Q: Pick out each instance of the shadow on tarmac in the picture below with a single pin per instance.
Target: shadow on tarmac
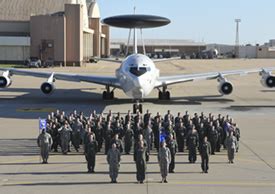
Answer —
(18, 147)
(266, 91)
(248, 108)
(33, 103)
(84, 172)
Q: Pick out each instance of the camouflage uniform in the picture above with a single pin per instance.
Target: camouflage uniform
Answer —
(65, 137)
(140, 159)
(91, 150)
(231, 142)
(205, 151)
(44, 141)
(113, 159)
(164, 158)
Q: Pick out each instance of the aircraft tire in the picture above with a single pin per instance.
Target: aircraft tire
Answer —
(112, 95)
(104, 95)
(160, 96)
(134, 108)
(167, 95)
(140, 108)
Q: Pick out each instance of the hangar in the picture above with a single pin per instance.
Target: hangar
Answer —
(160, 46)
(68, 32)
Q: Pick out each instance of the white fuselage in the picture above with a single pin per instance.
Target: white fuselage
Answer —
(137, 76)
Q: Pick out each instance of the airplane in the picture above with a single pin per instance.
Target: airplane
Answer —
(137, 75)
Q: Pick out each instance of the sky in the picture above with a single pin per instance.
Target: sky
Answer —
(210, 21)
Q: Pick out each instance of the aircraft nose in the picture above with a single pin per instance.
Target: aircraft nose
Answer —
(138, 93)
(138, 90)
(138, 83)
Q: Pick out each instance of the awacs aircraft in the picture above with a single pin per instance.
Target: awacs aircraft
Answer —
(137, 76)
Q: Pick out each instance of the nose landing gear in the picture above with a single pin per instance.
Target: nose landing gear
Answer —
(108, 94)
(164, 94)
(137, 107)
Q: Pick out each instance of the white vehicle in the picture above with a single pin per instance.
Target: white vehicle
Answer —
(137, 77)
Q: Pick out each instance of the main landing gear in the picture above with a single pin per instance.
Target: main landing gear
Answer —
(137, 107)
(108, 94)
(164, 95)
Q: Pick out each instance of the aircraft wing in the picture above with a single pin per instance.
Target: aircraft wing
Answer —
(101, 80)
(109, 60)
(169, 80)
(165, 59)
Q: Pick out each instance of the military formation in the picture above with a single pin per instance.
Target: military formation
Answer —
(140, 134)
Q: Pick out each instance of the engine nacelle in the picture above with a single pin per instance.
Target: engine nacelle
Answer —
(47, 88)
(5, 81)
(225, 87)
(267, 80)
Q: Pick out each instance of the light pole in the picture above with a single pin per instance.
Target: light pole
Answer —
(237, 41)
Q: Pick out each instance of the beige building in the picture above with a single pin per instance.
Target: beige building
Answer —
(68, 32)
(161, 46)
(266, 52)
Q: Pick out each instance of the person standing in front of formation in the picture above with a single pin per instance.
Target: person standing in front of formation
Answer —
(91, 150)
(164, 158)
(140, 159)
(231, 142)
(205, 151)
(113, 159)
(44, 141)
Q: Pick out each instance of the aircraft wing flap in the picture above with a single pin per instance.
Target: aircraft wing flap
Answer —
(101, 80)
(169, 80)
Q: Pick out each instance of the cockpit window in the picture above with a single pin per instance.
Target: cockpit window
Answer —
(138, 71)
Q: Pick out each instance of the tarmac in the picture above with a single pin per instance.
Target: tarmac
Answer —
(251, 105)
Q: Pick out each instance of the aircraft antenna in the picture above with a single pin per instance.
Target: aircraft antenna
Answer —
(143, 45)
(128, 42)
(135, 36)
(135, 41)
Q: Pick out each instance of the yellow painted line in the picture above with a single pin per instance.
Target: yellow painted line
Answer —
(225, 183)
(46, 110)
(26, 160)
(243, 160)
(250, 161)
(17, 183)
(20, 160)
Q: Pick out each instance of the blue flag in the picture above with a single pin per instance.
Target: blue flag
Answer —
(162, 136)
(227, 127)
(42, 124)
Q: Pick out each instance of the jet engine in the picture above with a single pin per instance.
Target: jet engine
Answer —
(267, 80)
(225, 87)
(5, 80)
(47, 88)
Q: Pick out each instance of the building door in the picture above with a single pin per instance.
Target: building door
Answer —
(47, 50)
